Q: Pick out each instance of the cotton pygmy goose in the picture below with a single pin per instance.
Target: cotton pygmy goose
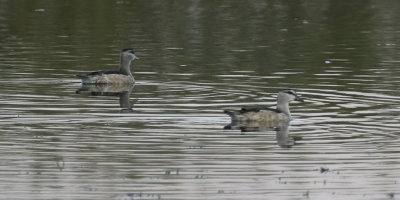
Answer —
(121, 76)
(281, 113)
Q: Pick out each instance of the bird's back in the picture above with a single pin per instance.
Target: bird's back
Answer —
(106, 77)
(257, 114)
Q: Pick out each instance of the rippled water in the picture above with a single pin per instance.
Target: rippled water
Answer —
(165, 138)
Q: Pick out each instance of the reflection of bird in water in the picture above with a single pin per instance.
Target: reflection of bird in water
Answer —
(121, 76)
(122, 91)
(265, 114)
(260, 119)
(283, 138)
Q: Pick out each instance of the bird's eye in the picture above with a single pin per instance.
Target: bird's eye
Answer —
(290, 92)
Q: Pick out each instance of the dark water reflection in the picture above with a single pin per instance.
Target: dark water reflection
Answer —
(121, 91)
(282, 131)
(197, 59)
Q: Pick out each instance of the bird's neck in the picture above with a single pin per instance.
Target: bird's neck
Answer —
(283, 106)
(125, 67)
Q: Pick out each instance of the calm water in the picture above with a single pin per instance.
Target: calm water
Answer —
(165, 137)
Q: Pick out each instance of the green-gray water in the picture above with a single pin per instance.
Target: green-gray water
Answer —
(198, 58)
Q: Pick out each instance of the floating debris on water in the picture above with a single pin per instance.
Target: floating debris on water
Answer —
(390, 195)
(199, 176)
(306, 194)
(170, 172)
(324, 169)
(132, 196)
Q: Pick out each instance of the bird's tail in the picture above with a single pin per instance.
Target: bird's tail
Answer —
(82, 76)
(231, 114)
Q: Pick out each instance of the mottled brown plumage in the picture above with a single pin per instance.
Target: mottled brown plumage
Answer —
(263, 114)
(119, 77)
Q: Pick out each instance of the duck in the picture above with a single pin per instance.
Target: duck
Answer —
(265, 114)
(119, 77)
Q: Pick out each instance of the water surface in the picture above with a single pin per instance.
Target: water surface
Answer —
(165, 138)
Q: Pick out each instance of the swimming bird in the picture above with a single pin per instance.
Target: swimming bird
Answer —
(265, 114)
(121, 76)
